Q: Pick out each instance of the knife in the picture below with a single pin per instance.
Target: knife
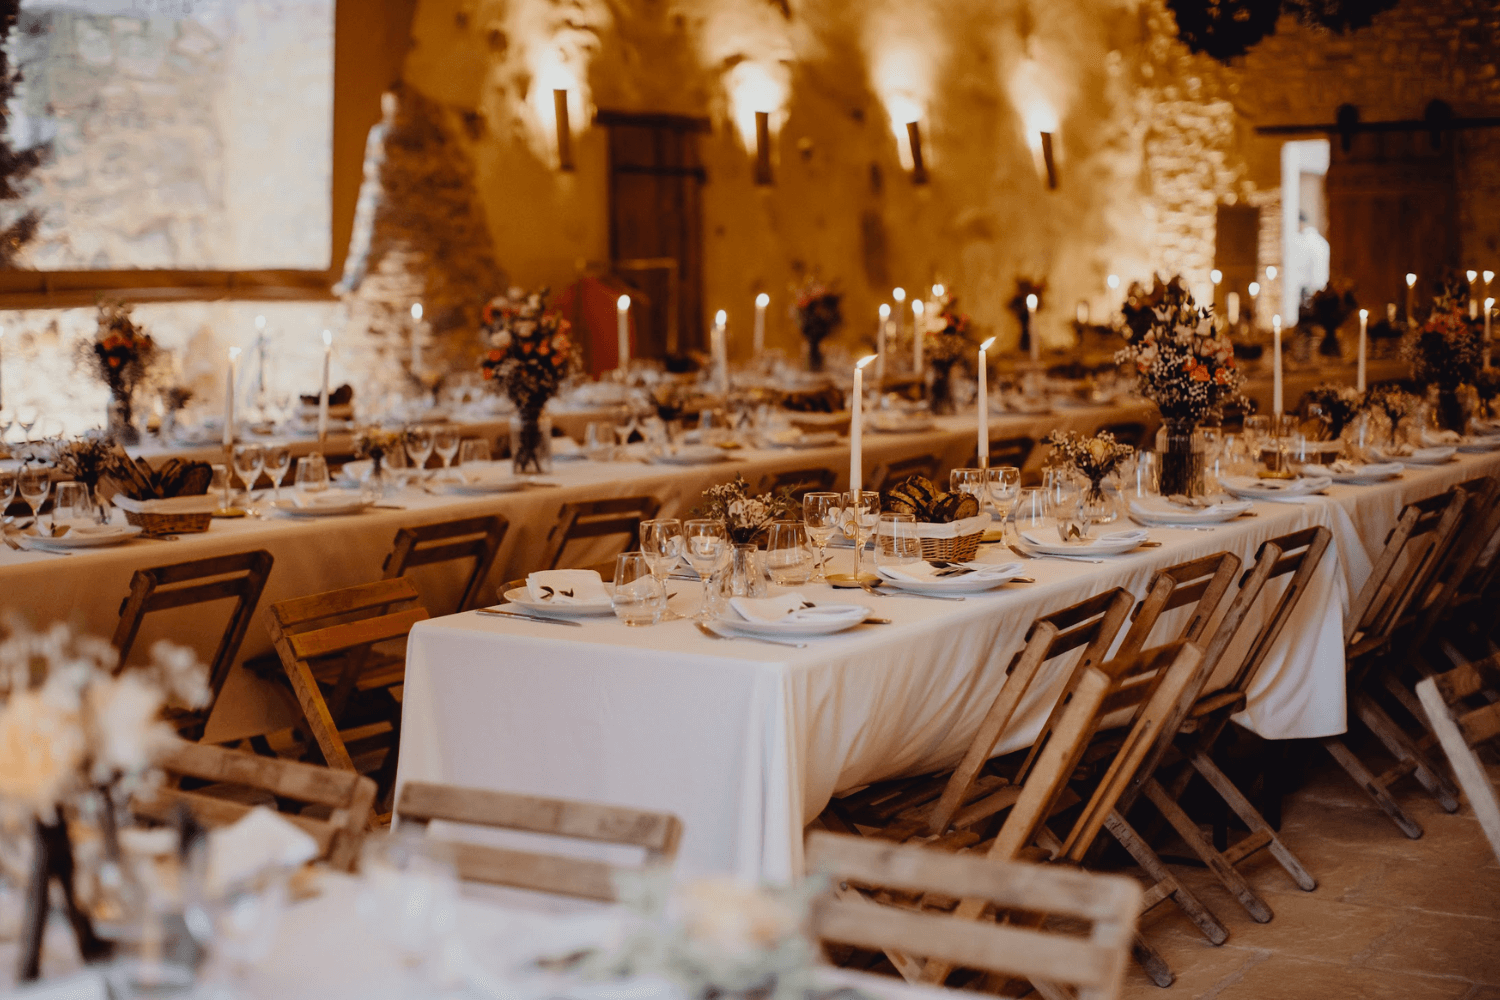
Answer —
(531, 618)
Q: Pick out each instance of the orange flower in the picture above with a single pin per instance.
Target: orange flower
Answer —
(1200, 374)
(1221, 376)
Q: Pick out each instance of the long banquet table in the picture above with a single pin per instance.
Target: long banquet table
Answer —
(313, 556)
(747, 742)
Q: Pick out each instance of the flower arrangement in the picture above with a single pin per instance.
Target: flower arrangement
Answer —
(1093, 458)
(86, 459)
(1393, 402)
(945, 334)
(1329, 307)
(1446, 350)
(747, 516)
(531, 350)
(817, 308)
(378, 444)
(121, 353)
(1334, 406)
(1181, 361)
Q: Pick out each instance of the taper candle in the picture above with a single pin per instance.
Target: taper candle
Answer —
(982, 401)
(918, 322)
(721, 350)
(416, 338)
(880, 337)
(234, 357)
(1031, 330)
(1232, 308)
(323, 392)
(759, 344)
(1411, 299)
(622, 331)
(1489, 309)
(857, 427)
(1364, 325)
(1276, 364)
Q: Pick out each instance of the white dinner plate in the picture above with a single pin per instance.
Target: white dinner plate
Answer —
(1364, 475)
(1254, 488)
(794, 629)
(965, 583)
(323, 506)
(1038, 543)
(816, 439)
(1475, 445)
(521, 598)
(90, 537)
(481, 485)
(1422, 456)
(694, 454)
(1163, 512)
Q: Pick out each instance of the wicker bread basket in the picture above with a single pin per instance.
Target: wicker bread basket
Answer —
(956, 541)
(173, 516)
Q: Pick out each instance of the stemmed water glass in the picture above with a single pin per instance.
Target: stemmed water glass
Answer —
(661, 541)
(861, 516)
(820, 514)
(419, 447)
(1003, 483)
(33, 483)
(1257, 435)
(278, 461)
(249, 463)
(26, 418)
(7, 490)
(706, 545)
(445, 442)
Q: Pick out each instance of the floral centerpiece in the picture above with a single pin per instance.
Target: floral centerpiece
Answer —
(817, 308)
(531, 354)
(945, 343)
(121, 356)
(1393, 403)
(747, 516)
(1095, 459)
(1185, 365)
(87, 460)
(1446, 352)
(379, 445)
(1332, 407)
(77, 740)
(1329, 307)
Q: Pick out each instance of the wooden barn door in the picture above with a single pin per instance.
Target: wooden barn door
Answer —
(1392, 209)
(656, 225)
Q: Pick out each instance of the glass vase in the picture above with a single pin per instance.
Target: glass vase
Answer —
(1181, 465)
(747, 572)
(1102, 502)
(121, 418)
(530, 444)
(940, 390)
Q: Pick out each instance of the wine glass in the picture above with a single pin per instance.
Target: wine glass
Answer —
(278, 461)
(1029, 512)
(820, 514)
(787, 557)
(599, 441)
(7, 490)
(33, 483)
(639, 597)
(1067, 509)
(970, 481)
(706, 542)
(445, 441)
(249, 463)
(26, 418)
(1003, 483)
(419, 447)
(896, 541)
(311, 475)
(1257, 434)
(862, 514)
(661, 541)
(70, 505)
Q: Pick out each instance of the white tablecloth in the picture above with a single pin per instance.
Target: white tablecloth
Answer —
(313, 556)
(747, 742)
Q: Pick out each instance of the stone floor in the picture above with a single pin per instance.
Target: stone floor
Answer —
(1390, 918)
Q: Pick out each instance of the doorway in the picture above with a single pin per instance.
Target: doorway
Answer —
(656, 225)
(1305, 253)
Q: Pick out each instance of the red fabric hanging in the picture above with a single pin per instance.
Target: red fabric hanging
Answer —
(589, 304)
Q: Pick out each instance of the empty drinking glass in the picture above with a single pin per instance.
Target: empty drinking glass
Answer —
(896, 541)
(1147, 475)
(249, 462)
(661, 541)
(418, 441)
(787, 556)
(1003, 483)
(706, 545)
(1257, 435)
(7, 489)
(34, 483)
(820, 516)
(1073, 523)
(639, 598)
(312, 474)
(599, 441)
(472, 451)
(445, 442)
(278, 461)
(970, 481)
(1030, 511)
(71, 506)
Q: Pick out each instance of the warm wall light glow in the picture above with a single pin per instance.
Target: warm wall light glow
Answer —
(1035, 94)
(416, 311)
(1113, 281)
(762, 300)
(754, 86)
(1271, 273)
(865, 360)
(557, 91)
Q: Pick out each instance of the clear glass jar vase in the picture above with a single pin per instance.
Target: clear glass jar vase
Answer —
(1102, 502)
(1180, 469)
(531, 444)
(746, 576)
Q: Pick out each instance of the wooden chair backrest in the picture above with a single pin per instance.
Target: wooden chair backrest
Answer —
(1459, 730)
(1093, 624)
(347, 621)
(1202, 583)
(1404, 567)
(241, 577)
(350, 796)
(1484, 543)
(1467, 543)
(658, 833)
(1094, 964)
(1131, 432)
(902, 469)
(598, 519)
(799, 481)
(476, 538)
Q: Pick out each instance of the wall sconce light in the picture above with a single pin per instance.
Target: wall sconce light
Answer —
(564, 131)
(1048, 161)
(762, 147)
(914, 138)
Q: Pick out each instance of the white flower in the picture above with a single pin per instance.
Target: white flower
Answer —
(41, 749)
(733, 917)
(124, 715)
(183, 679)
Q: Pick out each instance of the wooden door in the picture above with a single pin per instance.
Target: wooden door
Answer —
(656, 225)
(1392, 209)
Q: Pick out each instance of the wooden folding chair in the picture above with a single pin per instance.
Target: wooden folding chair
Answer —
(324, 643)
(240, 577)
(594, 519)
(476, 538)
(1093, 962)
(902, 469)
(1296, 557)
(658, 833)
(218, 771)
(1460, 728)
(816, 479)
(1403, 572)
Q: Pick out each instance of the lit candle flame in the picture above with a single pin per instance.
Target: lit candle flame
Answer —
(1411, 280)
(260, 321)
(762, 300)
(327, 338)
(416, 311)
(622, 303)
(1471, 275)
(1364, 314)
(1271, 273)
(986, 345)
(1489, 276)
(865, 360)
(1254, 289)
(234, 354)
(937, 291)
(1113, 281)
(899, 294)
(1031, 302)
(885, 311)
(917, 308)
(1216, 275)
(720, 318)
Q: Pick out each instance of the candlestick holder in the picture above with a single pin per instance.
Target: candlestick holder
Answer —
(227, 508)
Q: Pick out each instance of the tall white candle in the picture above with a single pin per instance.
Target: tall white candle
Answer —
(1488, 276)
(1254, 291)
(857, 427)
(323, 392)
(1364, 325)
(416, 337)
(1276, 365)
(1411, 299)
(721, 350)
(229, 373)
(622, 332)
(761, 301)
(880, 335)
(918, 326)
(1232, 308)
(982, 401)
(1036, 340)
(899, 294)
(1489, 308)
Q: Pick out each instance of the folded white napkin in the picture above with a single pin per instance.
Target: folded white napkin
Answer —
(565, 446)
(1440, 437)
(1343, 468)
(925, 572)
(566, 586)
(259, 840)
(791, 607)
(1110, 538)
(1166, 507)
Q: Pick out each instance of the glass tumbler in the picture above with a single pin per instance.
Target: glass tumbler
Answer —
(638, 598)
